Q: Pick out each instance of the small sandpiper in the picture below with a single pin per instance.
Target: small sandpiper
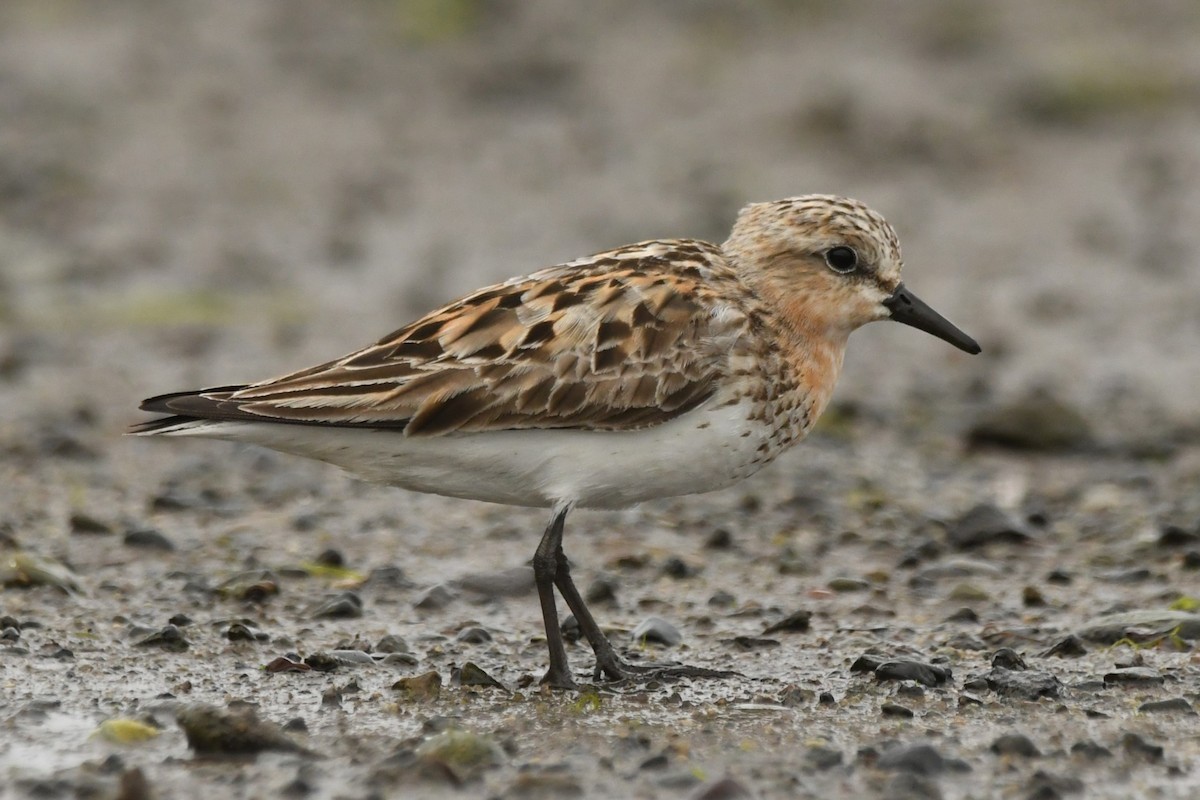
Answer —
(663, 368)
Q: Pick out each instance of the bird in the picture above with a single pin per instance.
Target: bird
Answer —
(658, 369)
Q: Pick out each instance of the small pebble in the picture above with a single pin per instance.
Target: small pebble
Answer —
(1025, 684)
(796, 622)
(434, 598)
(986, 524)
(678, 569)
(392, 644)
(149, 539)
(922, 673)
(849, 585)
(472, 674)
(1069, 647)
(1175, 704)
(921, 759)
(169, 638)
(1136, 745)
(83, 523)
(419, 687)
(1133, 675)
(347, 605)
(210, 730)
(656, 630)
(473, 635)
(1088, 749)
(720, 539)
(1007, 658)
(722, 789)
(1015, 744)
(896, 710)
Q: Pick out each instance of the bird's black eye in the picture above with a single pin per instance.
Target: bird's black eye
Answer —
(841, 259)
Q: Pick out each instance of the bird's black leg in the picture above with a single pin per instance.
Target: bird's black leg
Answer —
(607, 660)
(545, 568)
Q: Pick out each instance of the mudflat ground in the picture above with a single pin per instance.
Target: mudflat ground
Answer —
(991, 565)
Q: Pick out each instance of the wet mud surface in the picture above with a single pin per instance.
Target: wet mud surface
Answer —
(978, 577)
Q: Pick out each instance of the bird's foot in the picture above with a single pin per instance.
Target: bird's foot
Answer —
(620, 671)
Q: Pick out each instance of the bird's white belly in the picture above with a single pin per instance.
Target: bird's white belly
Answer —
(705, 449)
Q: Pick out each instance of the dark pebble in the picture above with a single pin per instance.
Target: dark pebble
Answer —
(796, 696)
(896, 710)
(720, 539)
(322, 662)
(1038, 421)
(472, 674)
(826, 699)
(1137, 575)
(1191, 559)
(1007, 658)
(1137, 675)
(331, 558)
(722, 599)
(1165, 706)
(347, 605)
(796, 622)
(1069, 647)
(570, 629)
(752, 642)
(867, 662)
(659, 761)
(241, 632)
(1026, 685)
(7, 621)
(657, 630)
(1015, 744)
(721, 789)
(1088, 749)
(284, 664)
(419, 687)
(473, 635)
(389, 576)
(1047, 786)
(84, 523)
(922, 673)
(212, 731)
(908, 786)
(148, 538)
(1031, 597)
(514, 582)
(170, 638)
(985, 524)
(822, 758)
(1175, 535)
(1059, 577)
(1136, 745)
(964, 614)
(392, 644)
(601, 590)
(966, 641)
(434, 598)
(296, 725)
(678, 568)
(921, 759)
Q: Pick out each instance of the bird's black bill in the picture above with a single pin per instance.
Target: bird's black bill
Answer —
(906, 307)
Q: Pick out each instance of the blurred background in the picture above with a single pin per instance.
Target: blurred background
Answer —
(198, 193)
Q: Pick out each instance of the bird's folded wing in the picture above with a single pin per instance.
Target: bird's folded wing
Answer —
(624, 340)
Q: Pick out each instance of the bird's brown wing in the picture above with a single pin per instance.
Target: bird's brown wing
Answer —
(623, 340)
